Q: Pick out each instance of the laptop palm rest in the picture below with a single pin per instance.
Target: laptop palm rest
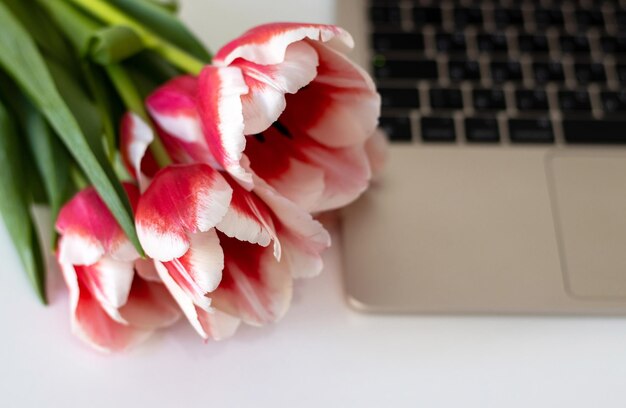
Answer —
(470, 230)
(589, 199)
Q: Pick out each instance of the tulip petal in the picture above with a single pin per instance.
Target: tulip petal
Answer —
(266, 44)
(255, 286)
(199, 271)
(182, 199)
(91, 323)
(217, 324)
(150, 306)
(189, 309)
(267, 85)
(341, 104)
(303, 239)
(220, 108)
(314, 176)
(249, 219)
(90, 230)
(135, 137)
(109, 281)
(173, 108)
(145, 268)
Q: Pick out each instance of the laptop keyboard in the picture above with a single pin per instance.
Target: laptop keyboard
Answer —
(517, 71)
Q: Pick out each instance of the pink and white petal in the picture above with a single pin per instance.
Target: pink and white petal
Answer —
(181, 199)
(90, 322)
(189, 309)
(221, 114)
(267, 85)
(184, 152)
(90, 230)
(146, 270)
(150, 306)
(266, 44)
(109, 281)
(281, 162)
(342, 106)
(249, 219)
(301, 183)
(199, 271)
(255, 286)
(347, 174)
(377, 150)
(303, 238)
(173, 108)
(217, 324)
(135, 137)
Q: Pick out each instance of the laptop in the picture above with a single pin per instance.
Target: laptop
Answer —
(505, 188)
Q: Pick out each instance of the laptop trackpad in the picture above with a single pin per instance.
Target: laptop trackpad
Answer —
(589, 200)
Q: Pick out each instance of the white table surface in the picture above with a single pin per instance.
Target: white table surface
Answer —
(321, 353)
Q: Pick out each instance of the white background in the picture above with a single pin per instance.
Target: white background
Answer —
(322, 353)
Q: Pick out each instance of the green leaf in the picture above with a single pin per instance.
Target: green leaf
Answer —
(23, 62)
(41, 28)
(102, 44)
(169, 5)
(15, 204)
(165, 24)
(113, 44)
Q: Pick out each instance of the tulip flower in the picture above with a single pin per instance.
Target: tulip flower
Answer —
(287, 97)
(115, 299)
(227, 254)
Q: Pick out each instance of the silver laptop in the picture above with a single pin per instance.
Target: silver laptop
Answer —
(505, 190)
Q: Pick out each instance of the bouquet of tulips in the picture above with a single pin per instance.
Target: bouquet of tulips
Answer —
(180, 183)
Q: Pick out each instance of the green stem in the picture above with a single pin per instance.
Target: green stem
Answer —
(108, 13)
(133, 102)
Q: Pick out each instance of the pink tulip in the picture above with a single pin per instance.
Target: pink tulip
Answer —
(306, 109)
(226, 254)
(115, 300)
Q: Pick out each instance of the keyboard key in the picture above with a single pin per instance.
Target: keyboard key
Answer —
(427, 16)
(467, 16)
(450, 42)
(506, 17)
(488, 99)
(576, 130)
(385, 15)
(441, 98)
(436, 129)
(620, 19)
(589, 18)
(409, 69)
(399, 97)
(533, 43)
(397, 128)
(621, 73)
(548, 72)
(531, 100)
(613, 102)
(482, 130)
(613, 44)
(570, 101)
(545, 18)
(589, 72)
(492, 43)
(397, 41)
(502, 71)
(574, 44)
(531, 130)
(463, 70)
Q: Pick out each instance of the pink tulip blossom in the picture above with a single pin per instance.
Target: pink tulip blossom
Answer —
(115, 299)
(306, 109)
(227, 254)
